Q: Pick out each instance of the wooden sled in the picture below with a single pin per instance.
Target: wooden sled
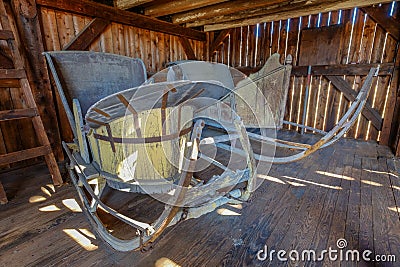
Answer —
(144, 140)
(266, 112)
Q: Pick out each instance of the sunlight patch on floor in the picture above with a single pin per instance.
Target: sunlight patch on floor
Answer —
(49, 208)
(381, 172)
(45, 191)
(334, 175)
(81, 239)
(395, 209)
(36, 199)
(227, 212)
(270, 178)
(165, 262)
(295, 183)
(71, 204)
(313, 183)
(371, 183)
(236, 206)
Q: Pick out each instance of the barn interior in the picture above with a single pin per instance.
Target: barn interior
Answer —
(348, 191)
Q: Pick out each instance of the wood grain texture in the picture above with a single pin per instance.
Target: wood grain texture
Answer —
(83, 39)
(121, 16)
(308, 204)
(31, 39)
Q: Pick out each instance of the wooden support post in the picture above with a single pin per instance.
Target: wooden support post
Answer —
(87, 35)
(369, 112)
(387, 136)
(27, 20)
(187, 48)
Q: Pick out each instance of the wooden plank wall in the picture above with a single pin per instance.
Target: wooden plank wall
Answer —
(364, 42)
(155, 49)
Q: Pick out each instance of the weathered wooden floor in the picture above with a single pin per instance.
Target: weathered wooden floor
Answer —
(350, 190)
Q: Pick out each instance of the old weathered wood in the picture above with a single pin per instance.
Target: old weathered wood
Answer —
(44, 149)
(17, 114)
(220, 9)
(124, 17)
(333, 70)
(3, 196)
(388, 136)
(218, 40)
(320, 46)
(9, 83)
(29, 28)
(25, 154)
(370, 113)
(380, 16)
(88, 34)
(5, 61)
(177, 6)
(302, 8)
(125, 4)
(8, 74)
(187, 47)
(5, 35)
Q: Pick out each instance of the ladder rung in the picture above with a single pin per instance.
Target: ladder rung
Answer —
(12, 74)
(24, 154)
(6, 35)
(17, 114)
(10, 83)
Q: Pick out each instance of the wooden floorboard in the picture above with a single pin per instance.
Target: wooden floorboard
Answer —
(350, 190)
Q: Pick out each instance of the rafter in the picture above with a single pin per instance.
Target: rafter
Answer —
(125, 4)
(292, 10)
(177, 6)
(222, 9)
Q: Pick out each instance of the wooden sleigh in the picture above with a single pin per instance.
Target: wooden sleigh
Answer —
(148, 137)
(144, 139)
(265, 93)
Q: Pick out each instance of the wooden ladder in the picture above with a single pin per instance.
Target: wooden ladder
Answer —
(17, 77)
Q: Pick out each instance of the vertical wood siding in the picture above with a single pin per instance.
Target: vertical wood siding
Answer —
(363, 41)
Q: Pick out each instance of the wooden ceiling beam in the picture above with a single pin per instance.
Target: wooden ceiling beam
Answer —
(292, 10)
(380, 16)
(125, 4)
(248, 13)
(93, 9)
(177, 6)
(222, 9)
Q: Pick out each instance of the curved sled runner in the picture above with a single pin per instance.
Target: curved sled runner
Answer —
(145, 140)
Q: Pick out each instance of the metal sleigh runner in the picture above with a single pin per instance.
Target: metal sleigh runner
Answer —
(180, 143)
